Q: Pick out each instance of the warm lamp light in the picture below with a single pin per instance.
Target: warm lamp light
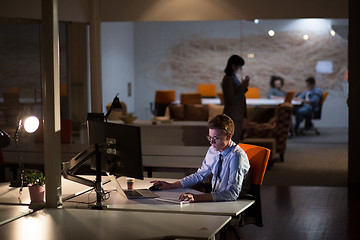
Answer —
(31, 124)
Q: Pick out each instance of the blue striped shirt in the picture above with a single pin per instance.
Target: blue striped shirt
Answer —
(233, 176)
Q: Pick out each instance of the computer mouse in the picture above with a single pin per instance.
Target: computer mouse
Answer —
(154, 188)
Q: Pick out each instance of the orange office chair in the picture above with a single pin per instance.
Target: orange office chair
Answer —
(190, 98)
(163, 98)
(258, 158)
(221, 97)
(207, 90)
(253, 92)
(289, 96)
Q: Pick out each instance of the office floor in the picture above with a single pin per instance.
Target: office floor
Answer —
(295, 212)
(313, 160)
(306, 197)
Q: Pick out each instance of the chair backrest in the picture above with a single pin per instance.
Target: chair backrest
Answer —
(165, 96)
(258, 158)
(190, 98)
(317, 114)
(324, 97)
(253, 92)
(207, 90)
(14, 90)
(289, 96)
(11, 98)
(221, 97)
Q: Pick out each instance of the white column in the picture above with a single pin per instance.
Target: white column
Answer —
(51, 101)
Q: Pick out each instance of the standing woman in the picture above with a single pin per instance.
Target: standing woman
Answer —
(234, 94)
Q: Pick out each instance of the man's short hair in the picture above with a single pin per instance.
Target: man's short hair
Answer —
(222, 122)
(311, 81)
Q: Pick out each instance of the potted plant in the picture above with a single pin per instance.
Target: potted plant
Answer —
(36, 181)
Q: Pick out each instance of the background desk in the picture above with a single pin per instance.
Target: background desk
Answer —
(69, 224)
(249, 101)
(173, 158)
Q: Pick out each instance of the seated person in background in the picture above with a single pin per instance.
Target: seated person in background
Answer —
(311, 102)
(276, 91)
(227, 162)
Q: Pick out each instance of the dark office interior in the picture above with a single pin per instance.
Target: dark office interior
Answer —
(65, 59)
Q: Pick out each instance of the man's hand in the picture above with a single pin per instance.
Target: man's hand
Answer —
(206, 197)
(165, 185)
(187, 197)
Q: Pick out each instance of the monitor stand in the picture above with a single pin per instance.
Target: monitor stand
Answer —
(98, 181)
(70, 168)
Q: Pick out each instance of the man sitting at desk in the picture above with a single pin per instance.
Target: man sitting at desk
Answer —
(227, 162)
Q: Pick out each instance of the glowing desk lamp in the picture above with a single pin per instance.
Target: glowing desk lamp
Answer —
(30, 124)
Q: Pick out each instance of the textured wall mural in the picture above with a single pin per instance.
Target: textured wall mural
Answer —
(202, 60)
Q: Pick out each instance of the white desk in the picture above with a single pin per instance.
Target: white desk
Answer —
(9, 213)
(117, 202)
(74, 224)
(10, 195)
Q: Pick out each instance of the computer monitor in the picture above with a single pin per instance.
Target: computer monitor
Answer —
(122, 154)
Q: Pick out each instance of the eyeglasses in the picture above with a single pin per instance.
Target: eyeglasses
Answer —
(212, 138)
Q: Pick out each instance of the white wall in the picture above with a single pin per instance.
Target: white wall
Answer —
(117, 56)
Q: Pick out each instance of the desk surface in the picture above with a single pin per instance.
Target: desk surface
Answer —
(117, 202)
(69, 224)
(12, 212)
(10, 195)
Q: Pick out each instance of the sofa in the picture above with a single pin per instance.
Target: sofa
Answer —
(276, 127)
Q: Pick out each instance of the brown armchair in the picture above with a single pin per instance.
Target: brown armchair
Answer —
(277, 128)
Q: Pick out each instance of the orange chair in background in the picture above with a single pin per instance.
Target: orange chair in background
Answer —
(190, 98)
(253, 92)
(258, 158)
(221, 97)
(324, 97)
(315, 115)
(207, 90)
(289, 96)
(163, 98)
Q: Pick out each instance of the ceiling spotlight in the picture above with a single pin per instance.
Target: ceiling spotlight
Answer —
(332, 32)
(305, 37)
(250, 55)
(256, 21)
(271, 33)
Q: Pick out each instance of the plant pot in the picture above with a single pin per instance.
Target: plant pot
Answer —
(36, 193)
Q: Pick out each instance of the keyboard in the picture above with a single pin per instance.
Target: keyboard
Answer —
(139, 193)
